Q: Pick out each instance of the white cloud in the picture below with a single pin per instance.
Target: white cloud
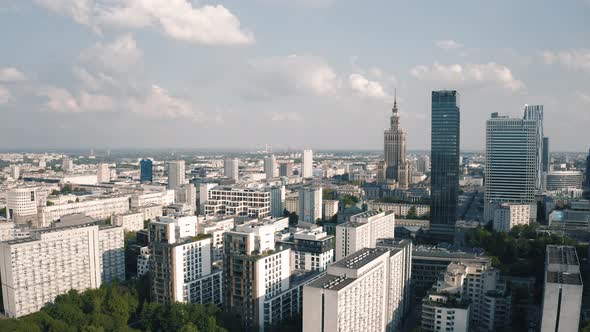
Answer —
(160, 104)
(95, 102)
(59, 100)
(296, 74)
(11, 74)
(479, 75)
(178, 19)
(574, 59)
(5, 95)
(448, 44)
(121, 56)
(306, 3)
(366, 88)
(284, 116)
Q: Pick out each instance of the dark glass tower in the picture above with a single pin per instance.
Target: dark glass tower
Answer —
(588, 171)
(444, 163)
(146, 167)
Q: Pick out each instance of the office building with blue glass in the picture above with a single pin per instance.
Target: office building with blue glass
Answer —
(147, 168)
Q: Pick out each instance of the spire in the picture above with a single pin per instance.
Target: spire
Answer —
(394, 101)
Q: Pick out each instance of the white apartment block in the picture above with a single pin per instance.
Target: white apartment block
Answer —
(216, 227)
(362, 231)
(270, 165)
(149, 198)
(97, 208)
(238, 202)
(310, 204)
(292, 204)
(112, 253)
(356, 294)
(330, 208)
(312, 249)
(182, 265)
(307, 164)
(204, 195)
(231, 168)
(507, 216)
(562, 294)
(131, 221)
(53, 261)
(103, 173)
(10, 231)
(21, 205)
(441, 312)
(400, 209)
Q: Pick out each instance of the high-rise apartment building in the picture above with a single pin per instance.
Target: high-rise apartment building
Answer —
(111, 245)
(361, 292)
(216, 227)
(444, 158)
(330, 208)
(187, 194)
(238, 202)
(307, 164)
(21, 206)
(508, 215)
(103, 173)
(513, 161)
(176, 174)
(270, 165)
(396, 167)
(96, 208)
(146, 168)
(277, 201)
(231, 168)
(182, 263)
(310, 204)
(562, 294)
(362, 231)
(286, 169)
(312, 249)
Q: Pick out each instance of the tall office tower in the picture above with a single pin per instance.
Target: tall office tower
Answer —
(270, 164)
(259, 288)
(14, 172)
(362, 231)
(535, 113)
(562, 294)
(546, 155)
(508, 215)
(588, 171)
(146, 167)
(358, 293)
(512, 163)
(277, 201)
(312, 249)
(310, 204)
(307, 164)
(444, 158)
(53, 261)
(103, 173)
(239, 202)
(400, 286)
(395, 146)
(67, 164)
(286, 169)
(182, 263)
(231, 168)
(21, 206)
(176, 174)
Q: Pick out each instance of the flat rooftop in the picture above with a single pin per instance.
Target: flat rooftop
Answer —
(360, 258)
(564, 278)
(331, 282)
(565, 255)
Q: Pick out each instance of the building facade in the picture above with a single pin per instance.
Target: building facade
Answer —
(231, 168)
(243, 202)
(396, 167)
(310, 204)
(507, 216)
(270, 164)
(146, 169)
(307, 164)
(176, 174)
(362, 231)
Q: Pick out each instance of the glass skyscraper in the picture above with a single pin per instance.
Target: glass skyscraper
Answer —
(146, 168)
(444, 163)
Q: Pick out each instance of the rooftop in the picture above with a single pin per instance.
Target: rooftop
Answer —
(360, 258)
(562, 255)
(564, 278)
(331, 282)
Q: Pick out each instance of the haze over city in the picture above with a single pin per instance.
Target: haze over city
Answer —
(302, 73)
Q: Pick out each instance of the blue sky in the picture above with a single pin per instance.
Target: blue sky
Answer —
(292, 73)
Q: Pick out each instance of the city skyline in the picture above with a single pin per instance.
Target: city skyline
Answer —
(258, 82)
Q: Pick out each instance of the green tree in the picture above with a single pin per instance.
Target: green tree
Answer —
(412, 214)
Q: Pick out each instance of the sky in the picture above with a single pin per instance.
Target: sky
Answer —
(321, 74)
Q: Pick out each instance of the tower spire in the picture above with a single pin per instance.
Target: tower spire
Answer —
(394, 101)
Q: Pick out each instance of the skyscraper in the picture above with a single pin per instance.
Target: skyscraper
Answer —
(588, 170)
(103, 173)
(444, 162)
(310, 204)
(270, 164)
(231, 168)
(395, 149)
(546, 160)
(513, 162)
(146, 167)
(307, 164)
(535, 113)
(176, 173)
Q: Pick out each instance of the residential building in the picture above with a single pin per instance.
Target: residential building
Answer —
(182, 265)
(146, 168)
(186, 194)
(444, 159)
(232, 201)
(15, 172)
(362, 231)
(103, 208)
(310, 204)
(270, 165)
(231, 168)
(67, 164)
(286, 169)
(112, 253)
(513, 161)
(21, 206)
(204, 188)
(357, 294)
(216, 227)
(423, 164)
(444, 312)
(292, 204)
(131, 221)
(176, 174)
(103, 173)
(400, 209)
(507, 216)
(307, 164)
(277, 201)
(562, 292)
(312, 249)
(330, 208)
